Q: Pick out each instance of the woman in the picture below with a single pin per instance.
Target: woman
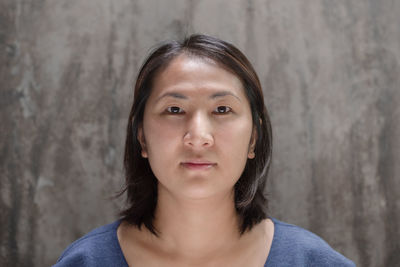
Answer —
(197, 154)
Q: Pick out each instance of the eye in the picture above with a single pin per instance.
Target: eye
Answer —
(174, 110)
(222, 110)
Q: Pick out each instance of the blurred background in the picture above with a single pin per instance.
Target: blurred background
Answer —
(331, 77)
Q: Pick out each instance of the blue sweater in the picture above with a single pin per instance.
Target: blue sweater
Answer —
(291, 246)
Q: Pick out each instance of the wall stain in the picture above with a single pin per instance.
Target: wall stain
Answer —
(10, 153)
(186, 27)
(14, 176)
(387, 105)
(360, 229)
(316, 199)
(251, 44)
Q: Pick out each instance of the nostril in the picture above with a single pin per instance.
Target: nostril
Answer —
(197, 140)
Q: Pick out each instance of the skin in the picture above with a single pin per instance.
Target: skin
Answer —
(197, 134)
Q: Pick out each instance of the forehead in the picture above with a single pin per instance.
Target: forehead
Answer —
(193, 75)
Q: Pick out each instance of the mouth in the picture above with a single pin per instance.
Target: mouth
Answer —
(198, 165)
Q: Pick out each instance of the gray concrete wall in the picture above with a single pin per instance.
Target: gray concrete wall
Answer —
(330, 71)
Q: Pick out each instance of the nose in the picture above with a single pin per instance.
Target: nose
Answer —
(199, 132)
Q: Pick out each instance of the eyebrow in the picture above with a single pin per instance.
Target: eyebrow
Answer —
(213, 96)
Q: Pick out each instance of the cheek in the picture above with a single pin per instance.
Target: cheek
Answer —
(233, 141)
(237, 133)
(160, 137)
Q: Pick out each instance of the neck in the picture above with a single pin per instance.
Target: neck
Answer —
(197, 228)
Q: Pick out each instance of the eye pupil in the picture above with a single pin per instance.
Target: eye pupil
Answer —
(222, 109)
(174, 109)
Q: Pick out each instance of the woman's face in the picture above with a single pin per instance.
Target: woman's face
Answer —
(197, 130)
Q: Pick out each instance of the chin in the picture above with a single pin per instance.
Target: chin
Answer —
(199, 188)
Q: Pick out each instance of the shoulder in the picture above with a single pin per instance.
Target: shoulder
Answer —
(100, 247)
(293, 245)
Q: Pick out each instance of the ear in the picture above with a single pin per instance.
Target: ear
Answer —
(142, 141)
(252, 145)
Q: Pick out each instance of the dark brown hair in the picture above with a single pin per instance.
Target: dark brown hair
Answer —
(141, 184)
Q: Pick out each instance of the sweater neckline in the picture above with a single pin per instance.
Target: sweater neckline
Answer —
(118, 222)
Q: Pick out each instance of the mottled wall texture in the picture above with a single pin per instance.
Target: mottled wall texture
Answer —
(330, 71)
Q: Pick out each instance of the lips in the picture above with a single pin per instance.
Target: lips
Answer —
(198, 165)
